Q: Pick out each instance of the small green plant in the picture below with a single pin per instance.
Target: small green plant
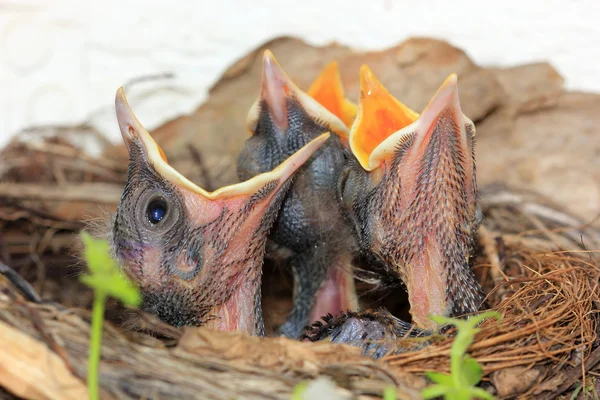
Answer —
(299, 389)
(106, 280)
(588, 391)
(465, 372)
(389, 393)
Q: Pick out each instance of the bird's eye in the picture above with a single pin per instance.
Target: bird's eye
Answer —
(157, 210)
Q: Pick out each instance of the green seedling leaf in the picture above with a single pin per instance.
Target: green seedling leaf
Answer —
(433, 391)
(389, 393)
(299, 389)
(97, 253)
(106, 280)
(440, 320)
(105, 276)
(438, 377)
(465, 372)
(472, 371)
(479, 393)
(115, 286)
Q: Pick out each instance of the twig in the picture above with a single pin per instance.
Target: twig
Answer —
(99, 193)
(38, 323)
(21, 284)
(488, 242)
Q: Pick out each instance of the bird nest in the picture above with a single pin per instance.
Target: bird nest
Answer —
(538, 265)
(547, 295)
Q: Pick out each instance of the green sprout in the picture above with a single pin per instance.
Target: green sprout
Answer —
(465, 372)
(389, 393)
(299, 389)
(106, 280)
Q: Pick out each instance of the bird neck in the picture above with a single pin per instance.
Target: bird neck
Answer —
(242, 311)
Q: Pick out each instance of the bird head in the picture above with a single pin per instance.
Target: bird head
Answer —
(411, 193)
(196, 255)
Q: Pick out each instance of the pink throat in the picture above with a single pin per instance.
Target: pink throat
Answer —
(239, 312)
(337, 294)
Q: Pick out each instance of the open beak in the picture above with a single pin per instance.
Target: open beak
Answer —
(285, 106)
(379, 115)
(196, 255)
(424, 215)
(328, 90)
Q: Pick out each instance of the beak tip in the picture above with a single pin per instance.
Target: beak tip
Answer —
(121, 93)
(268, 55)
(317, 142)
(276, 87)
(124, 113)
(120, 100)
(452, 82)
(446, 96)
(450, 85)
(331, 73)
(332, 70)
(268, 60)
(367, 79)
(272, 71)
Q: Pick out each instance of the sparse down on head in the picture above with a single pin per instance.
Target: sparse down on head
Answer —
(412, 195)
(196, 255)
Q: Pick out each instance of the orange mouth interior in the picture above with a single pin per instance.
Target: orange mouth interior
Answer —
(379, 115)
(327, 89)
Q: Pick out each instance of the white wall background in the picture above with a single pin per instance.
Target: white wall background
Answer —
(62, 60)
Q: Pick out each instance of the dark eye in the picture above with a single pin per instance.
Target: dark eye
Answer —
(157, 210)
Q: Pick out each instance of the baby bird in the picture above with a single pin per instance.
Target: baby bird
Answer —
(310, 234)
(196, 255)
(411, 193)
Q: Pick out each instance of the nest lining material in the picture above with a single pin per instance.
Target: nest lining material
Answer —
(548, 298)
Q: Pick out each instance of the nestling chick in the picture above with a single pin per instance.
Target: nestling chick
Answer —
(411, 193)
(310, 234)
(196, 255)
